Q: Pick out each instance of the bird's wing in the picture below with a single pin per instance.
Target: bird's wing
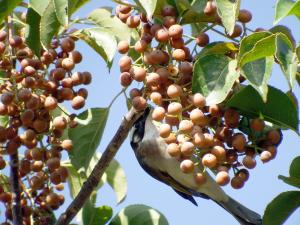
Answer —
(169, 180)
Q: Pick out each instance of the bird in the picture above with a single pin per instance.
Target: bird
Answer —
(150, 151)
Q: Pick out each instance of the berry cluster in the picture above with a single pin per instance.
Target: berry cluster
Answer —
(195, 133)
(30, 92)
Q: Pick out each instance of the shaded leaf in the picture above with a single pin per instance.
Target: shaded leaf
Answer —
(258, 73)
(285, 30)
(298, 52)
(139, 214)
(285, 8)
(196, 28)
(32, 32)
(290, 180)
(278, 109)
(281, 208)
(113, 25)
(214, 76)
(39, 5)
(87, 136)
(228, 11)
(161, 3)
(61, 9)
(7, 6)
(4, 182)
(103, 42)
(49, 25)
(287, 58)
(92, 215)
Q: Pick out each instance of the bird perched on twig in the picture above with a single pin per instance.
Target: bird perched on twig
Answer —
(150, 151)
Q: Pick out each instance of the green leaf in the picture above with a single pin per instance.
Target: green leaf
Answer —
(281, 208)
(113, 25)
(4, 120)
(264, 44)
(49, 25)
(285, 8)
(217, 48)
(214, 76)
(249, 42)
(290, 180)
(295, 168)
(193, 12)
(278, 109)
(228, 11)
(103, 42)
(284, 30)
(74, 5)
(258, 73)
(32, 32)
(262, 48)
(87, 136)
(7, 6)
(39, 5)
(293, 98)
(4, 182)
(298, 52)
(96, 215)
(148, 5)
(114, 176)
(75, 179)
(287, 58)
(61, 9)
(139, 214)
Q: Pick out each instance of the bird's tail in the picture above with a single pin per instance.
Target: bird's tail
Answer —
(242, 214)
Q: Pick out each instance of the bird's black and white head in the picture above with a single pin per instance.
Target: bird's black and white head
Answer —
(138, 130)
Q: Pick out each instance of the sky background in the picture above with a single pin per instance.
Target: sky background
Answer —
(263, 184)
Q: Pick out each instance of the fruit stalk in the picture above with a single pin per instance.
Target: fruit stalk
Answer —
(100, 167)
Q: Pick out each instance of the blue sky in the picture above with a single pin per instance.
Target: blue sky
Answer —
(263, 184)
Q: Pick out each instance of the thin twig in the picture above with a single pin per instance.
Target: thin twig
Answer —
(99, 169)
(14, 162)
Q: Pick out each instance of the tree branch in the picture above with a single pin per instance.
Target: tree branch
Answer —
(100, 168)
(15, 189)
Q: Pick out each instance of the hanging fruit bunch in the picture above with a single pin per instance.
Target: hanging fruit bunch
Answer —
(31, 92)
(196, 133)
